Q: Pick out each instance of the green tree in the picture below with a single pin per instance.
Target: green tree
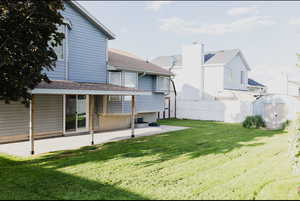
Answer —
(28, 35)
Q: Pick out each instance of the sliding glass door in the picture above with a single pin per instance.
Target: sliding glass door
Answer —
(81, 112)
(76, 113)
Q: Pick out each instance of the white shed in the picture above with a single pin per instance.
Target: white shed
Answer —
(276, 109)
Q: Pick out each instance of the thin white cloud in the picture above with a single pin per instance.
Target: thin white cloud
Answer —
(238, 11)
(294, 21)
(156, 5)
(179, 25)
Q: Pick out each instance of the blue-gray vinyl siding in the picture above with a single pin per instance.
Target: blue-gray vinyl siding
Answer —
(152, 103)
(147, 82)
(59, 72)
(87, 50)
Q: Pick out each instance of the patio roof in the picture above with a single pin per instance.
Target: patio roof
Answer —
(79, 88)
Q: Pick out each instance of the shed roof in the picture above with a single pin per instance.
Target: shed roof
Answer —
(122, 60)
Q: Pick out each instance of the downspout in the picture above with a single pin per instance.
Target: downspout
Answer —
(173, 84)
(67, 53)
(67, 29)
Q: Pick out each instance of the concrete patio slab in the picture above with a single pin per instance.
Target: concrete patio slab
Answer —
(22, 149)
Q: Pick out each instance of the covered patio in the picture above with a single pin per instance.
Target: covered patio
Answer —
(22, 149)
(78, 115)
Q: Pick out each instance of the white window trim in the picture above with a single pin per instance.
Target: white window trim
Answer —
(87, 116)
(63, 45)
(123, 78)
(124, 98)
(230, 74)
(114, 101)
(157, 84)
(109, 77)
(242, 78)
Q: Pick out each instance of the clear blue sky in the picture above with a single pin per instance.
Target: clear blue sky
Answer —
(268, 33)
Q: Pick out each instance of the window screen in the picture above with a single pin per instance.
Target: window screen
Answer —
(130, 80)
(115, 78)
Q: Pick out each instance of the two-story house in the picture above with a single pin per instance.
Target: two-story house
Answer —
(209, 85)
(92, 89)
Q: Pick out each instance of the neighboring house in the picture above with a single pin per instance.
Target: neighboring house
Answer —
(86, 94)
(256, 87)
(209, 85)
(293, 88)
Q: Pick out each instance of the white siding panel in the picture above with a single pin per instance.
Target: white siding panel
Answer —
(48, 115)
(225, 111)
(14, 119)
(232, 74)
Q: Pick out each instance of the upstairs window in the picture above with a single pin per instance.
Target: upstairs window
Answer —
(59, 50)
(115, 98)
(115, 78)
(163, 83)
(230, 74)
(131, 80)
(242, 77)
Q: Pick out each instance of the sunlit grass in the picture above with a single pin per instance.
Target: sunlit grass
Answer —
(208, 161)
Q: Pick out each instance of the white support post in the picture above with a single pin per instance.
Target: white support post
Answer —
(64, 114)
(133, 111)
(91, 124)
(31, 132)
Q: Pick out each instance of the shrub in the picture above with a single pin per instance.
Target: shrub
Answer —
(286, 124)
(154, 124)
(254, 122)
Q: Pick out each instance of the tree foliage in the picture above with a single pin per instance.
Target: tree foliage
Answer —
(28, 35)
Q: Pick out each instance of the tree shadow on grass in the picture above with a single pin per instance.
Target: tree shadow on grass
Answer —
(203, 138)
(24, 181)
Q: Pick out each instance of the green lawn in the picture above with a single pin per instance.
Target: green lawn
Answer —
(208, 161)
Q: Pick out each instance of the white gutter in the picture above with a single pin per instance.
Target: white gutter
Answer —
(139, 71)
(88, 92)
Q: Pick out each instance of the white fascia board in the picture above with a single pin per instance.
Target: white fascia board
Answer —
(92, 18)
(112, 68)
(139, 71)
(245, 61)
(87, 92)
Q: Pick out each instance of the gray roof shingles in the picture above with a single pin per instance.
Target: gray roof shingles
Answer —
(125, 61)
(70, 85)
